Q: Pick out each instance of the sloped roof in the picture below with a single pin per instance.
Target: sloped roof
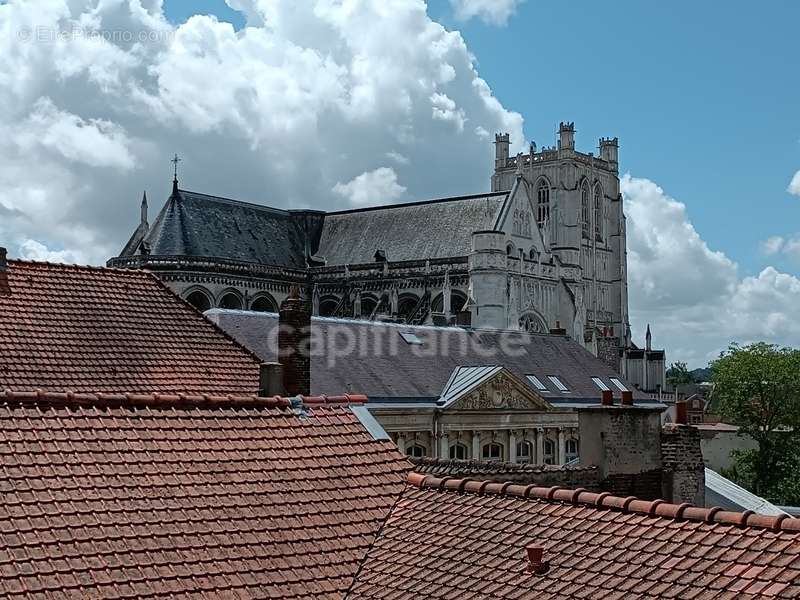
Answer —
(193, 224)
(384, 367)
(87, 329)
(721, 491)
(415, 231)
(193, 496)
(451, 538)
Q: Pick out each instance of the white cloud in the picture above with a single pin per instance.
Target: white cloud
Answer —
(787, 246)
(374, 187)
(794, 185)
(493, 12)
(694, 297)
(33, 250)
(306, 96)
(772, 245)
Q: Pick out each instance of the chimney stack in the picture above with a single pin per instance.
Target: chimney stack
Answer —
(535, 563)
(270, 378)
(294, 338)
(3, 260)
(627, 398)
(681, 412)
(608, 398)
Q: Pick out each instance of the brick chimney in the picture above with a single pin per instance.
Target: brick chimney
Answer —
(4, 287)
(608, 398)
(270, 380)
(627, 398)
(681, 412)
(294, 338)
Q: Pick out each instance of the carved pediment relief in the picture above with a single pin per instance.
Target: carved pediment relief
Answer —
(503, 391)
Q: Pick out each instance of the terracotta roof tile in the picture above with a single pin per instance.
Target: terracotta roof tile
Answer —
(456, 535)
(90, 329)
(141, 496)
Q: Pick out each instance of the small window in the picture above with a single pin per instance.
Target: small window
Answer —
(600, 383)
(416, 451)
(524, 452)
(492, 452)
(557, 382)
(458, 451)
(410, 338)
(537, 383)
(572, 449)
(549, 452)
(620, 386)
(695, 419)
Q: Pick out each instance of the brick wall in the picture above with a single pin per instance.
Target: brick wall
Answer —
(682, 458)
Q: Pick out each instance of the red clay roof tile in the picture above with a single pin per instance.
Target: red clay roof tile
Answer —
(597, 546)
(143, 496)
(92, 329)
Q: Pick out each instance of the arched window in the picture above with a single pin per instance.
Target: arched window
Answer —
(457, 302)
(231, 301)
(416, 451)
(524, 452)
(542, 203)
(327, 306)
(598, 213)
(585, 210)
(549, 452)
(459, 451)
(406, 306)
(571, 449)
(199, 300)
(509, 249)
(492, 451)
(531, 323)
(264, 303)
(368, 305)
(532, 254)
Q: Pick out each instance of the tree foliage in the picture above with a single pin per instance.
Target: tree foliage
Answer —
(757, 388)
(679, 374)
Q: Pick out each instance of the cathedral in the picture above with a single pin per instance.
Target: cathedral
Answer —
(543, 251)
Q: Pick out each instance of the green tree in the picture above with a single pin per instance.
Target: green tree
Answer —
(757, 387)
(678, 374)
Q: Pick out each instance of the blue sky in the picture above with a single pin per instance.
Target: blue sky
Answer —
(704, 100)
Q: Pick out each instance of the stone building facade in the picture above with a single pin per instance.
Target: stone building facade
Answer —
(545, 249)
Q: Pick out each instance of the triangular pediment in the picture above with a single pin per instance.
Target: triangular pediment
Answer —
(489, 388)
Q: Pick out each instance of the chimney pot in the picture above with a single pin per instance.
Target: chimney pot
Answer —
(681, 416)
(535, 563)
(270, 380)
(608, 398)
(627, 398)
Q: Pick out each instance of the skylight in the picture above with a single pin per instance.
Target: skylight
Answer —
(537, 383)
(557, 382)
(620, 386)
(410, 338)
(600, 383)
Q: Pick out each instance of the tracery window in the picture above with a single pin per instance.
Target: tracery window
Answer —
(585, 211)
(543, 203)
(598, 213)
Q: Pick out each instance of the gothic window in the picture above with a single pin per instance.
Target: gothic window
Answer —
(458, 451)
(368, 306)
(542, 203)
(492, 451)
(531, 323)
(509, 249)
(416, 451)
(585, 211)
(327, 306)
(549, 452)
(406, 306)
(533, 254)
(231, 301)
(264, 303)
(571, 449)
(199, 300)
(598, 213)
(524, 452)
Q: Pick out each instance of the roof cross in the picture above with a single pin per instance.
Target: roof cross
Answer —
(175, 162)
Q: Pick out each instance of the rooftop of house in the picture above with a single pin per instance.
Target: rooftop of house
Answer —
(459, 538)
(153, 496)
(200, 225)
(411, 365)
(89, 329)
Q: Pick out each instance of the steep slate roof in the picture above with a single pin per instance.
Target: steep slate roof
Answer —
(451, 538)
(86, 329)
(383, 366)
(189, 497)
(415, 231)
(193, 224)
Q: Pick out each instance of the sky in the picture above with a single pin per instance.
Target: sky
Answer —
(337, 103)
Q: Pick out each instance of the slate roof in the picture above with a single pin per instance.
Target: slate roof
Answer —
(194, 224)
(386, 368)
(187, 497)
(454, 539)
(415, 231)
(87, 329)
